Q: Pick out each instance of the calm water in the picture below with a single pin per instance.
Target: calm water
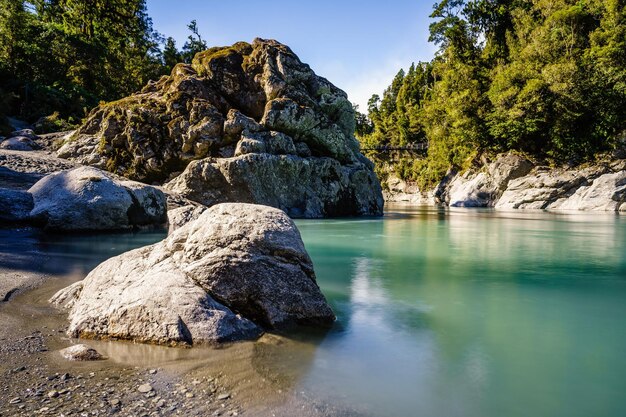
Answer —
(473, 313)
(440, 312)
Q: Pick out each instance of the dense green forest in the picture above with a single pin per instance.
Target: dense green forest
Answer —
(543, 77)
(60, 58)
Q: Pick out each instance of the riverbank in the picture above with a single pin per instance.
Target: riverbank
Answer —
(512, 181)
(252, 378)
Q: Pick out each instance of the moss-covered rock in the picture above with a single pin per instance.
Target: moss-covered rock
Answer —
(254, 98)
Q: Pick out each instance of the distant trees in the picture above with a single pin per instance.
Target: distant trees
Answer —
(543, 77)
(67, 55)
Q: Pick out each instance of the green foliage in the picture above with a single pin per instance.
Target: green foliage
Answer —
(545, 77)
(194, 43)
(63, 57)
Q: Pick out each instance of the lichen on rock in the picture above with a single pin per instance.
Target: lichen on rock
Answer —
(247, 99)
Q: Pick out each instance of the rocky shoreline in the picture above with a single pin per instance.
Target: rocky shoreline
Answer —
(512, 181)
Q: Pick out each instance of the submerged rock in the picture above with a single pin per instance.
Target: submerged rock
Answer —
(234, 270)
(238, 107)
(87, 199)
(81, 353)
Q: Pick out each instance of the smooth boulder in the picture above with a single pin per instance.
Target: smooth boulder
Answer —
(89, 199)
(234, 271)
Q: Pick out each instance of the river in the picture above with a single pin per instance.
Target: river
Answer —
(440, 312)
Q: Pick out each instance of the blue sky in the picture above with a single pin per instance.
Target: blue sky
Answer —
(358, 45)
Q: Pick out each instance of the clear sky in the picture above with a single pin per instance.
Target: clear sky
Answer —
(358, 45)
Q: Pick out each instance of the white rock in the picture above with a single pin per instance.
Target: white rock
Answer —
(87, 198)
(206, 283)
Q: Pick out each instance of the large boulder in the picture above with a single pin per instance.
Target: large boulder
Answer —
(19, 143)
(236, 269)
(237, 106)
(88, 199)
(302, 187)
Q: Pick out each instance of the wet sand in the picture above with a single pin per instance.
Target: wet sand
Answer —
(253, 378)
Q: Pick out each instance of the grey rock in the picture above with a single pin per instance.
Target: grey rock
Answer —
(545, 187)
(87, 198)
(15, 206)
(180, 216)
(81, 353)
(605, 193)
(27, 133)
(401, 191)
(19, 143)
(302, 187)
(145, 388)
(483, 189)
(209, 281)
(274, 104)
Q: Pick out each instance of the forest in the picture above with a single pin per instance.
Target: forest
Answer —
(543, 77)
(60, 58)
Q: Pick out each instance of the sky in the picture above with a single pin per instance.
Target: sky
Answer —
(358, 45)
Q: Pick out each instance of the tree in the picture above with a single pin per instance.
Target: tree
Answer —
(171, 55)
(194, 43)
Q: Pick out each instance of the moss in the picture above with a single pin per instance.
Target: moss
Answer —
(202, 60)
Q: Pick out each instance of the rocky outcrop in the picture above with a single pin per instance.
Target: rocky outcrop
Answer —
(88, 199)
(231, 109)
(302, 187)
(236, 269)
(400, 191)
(511, 181)
(597, 188)
(484, 188)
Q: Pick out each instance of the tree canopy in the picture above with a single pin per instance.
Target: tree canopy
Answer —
(65, 56)
(544, 77)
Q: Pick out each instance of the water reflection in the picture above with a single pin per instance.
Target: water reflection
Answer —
(473, 313)
(66, 254)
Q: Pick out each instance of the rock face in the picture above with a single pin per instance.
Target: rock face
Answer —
(86, 198)
(234, 270)
(597, 188)
(302, 187)
(513, 182)
(483, 189)
(234, 108)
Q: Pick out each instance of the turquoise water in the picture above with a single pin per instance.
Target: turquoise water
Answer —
(472, 313)
(469, 313)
